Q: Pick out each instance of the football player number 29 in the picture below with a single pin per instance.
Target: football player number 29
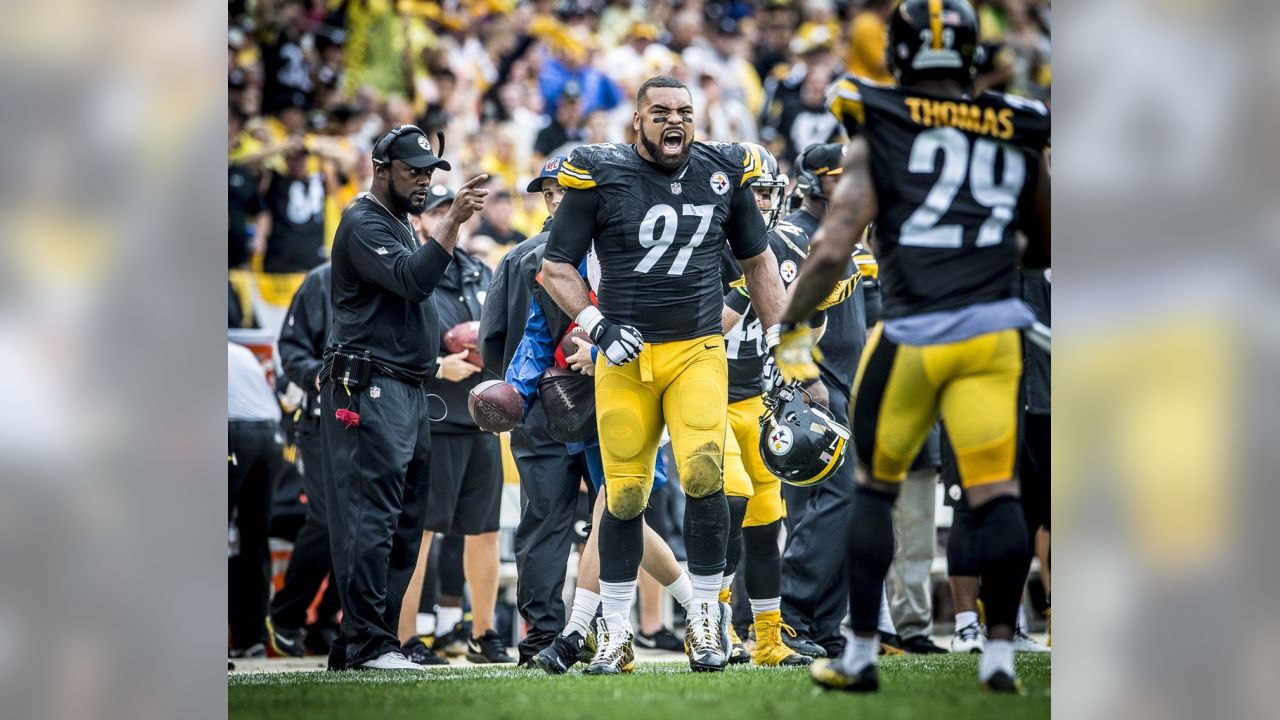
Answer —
(658, 243)
(922, 228)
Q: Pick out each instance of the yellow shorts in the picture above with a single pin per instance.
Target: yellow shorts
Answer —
(683, 385)
(900, 389)
(745, 474)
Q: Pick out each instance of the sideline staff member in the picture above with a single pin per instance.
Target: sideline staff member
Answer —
(374, 406)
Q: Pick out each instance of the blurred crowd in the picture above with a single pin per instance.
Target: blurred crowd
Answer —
(314, 83)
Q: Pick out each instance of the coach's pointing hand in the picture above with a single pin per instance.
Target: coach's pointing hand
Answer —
(468, 201)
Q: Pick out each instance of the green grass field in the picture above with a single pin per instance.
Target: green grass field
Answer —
(911, 687)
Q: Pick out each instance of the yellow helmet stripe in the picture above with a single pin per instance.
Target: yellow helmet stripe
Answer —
(935, 22)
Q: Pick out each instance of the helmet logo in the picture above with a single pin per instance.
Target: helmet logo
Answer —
(780, 440)
(788, 270)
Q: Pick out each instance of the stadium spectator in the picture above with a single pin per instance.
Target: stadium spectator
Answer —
(867, 41)
(289, 236)
(495, 220)
(566, 125)
(288, 54)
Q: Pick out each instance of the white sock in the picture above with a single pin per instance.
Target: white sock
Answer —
(966, 618)
(1022, 620)
(447, 618)
(706, 588)
(727, 581)
(996, 656)
(763, 606)
(616, 600)
(425, 624)
(585, 604)
(859, 652)
(885, 625)
(682, 591)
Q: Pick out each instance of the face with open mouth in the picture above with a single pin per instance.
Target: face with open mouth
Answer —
(666, 126)
(409, 188)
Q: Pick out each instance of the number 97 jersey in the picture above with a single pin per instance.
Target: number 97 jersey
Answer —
(953, 178)
(658, 236)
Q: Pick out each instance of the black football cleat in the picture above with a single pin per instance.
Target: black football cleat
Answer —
(562, 654)
(286, 642)
(922, 645)
(488, 649)
(802, 643)
(664, 639)
(830, 674)
(1002, 682)
(418, 652)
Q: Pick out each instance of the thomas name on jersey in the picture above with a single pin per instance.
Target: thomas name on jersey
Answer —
(961, 115)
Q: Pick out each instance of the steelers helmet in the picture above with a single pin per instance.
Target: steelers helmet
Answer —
(769, 179)
(800, 442)
(933, 39)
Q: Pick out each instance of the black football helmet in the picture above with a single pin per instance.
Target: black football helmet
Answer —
(800, 442)
(930, 39)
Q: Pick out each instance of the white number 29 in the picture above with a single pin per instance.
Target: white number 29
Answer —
(921, 229)
(658, 244)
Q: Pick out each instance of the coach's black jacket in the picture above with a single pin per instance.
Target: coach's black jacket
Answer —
(460, 296)
(306, 333)
(507, 307)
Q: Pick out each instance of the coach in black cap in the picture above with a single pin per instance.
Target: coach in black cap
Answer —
(373, 404)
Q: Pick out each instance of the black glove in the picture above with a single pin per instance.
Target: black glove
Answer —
(620, 343)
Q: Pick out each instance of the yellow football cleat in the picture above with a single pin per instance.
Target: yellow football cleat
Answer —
(736, 652)
(770, 651)
(831, 674)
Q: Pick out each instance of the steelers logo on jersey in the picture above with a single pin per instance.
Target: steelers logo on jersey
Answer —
(422, 142)
(788, 270)
(780, 440)
(720, 183)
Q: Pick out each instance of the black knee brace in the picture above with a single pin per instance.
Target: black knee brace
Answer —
(621, 547)
(1004, 556)
(706, 531)
(870, 554)
(733, 551)
(763, 563)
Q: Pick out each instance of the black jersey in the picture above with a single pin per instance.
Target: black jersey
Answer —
(951, 175)
(657, 235)
(744, 342)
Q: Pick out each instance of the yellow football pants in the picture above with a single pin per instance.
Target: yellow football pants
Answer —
(683, 385)
(900, 389)
(745, 474)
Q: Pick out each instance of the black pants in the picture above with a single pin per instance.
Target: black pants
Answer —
(814, 578)
(311, 560)
(255, 460)
(375, 493)
(549, 480)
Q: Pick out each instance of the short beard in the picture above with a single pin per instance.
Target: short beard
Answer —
(661, 160)
(403, 203)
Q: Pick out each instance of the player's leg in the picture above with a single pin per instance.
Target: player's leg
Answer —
(695, 405)
(661, 565)
(738, 491)
(980, 409)
(895, 403)
(575, 642)
(629, 419)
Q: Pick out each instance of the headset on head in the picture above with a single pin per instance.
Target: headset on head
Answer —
(808, 184)
(383, 146)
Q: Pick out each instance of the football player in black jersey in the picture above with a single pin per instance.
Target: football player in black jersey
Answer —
(658, 213)
(949, 179)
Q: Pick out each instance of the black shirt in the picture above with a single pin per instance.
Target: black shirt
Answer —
(459, 297)
(382, 285)
(296, 243)
(243, 204)
(503, 236)
(306, 333)
(658, 235)
(1037, 374)
(951, 176)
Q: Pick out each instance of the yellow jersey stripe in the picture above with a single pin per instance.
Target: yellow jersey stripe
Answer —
(844, 100)
(576, 183)
(935, 22)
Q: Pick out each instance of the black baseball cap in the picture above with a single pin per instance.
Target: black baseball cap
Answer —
(413, 149)
(437, 196)
(825, 159)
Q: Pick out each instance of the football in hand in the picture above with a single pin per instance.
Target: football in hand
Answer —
(465, 336)
(568, 347)
(495, 406)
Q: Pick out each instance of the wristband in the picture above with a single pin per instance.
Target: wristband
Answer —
(589, 318)
(772, 336)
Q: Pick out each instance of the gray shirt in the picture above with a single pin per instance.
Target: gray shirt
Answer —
(248, 395)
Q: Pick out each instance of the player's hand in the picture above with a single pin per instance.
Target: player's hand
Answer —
(797, 353)
(468, 201)
(770, 378)
(620, 343)
(581, 360)
(455, 368)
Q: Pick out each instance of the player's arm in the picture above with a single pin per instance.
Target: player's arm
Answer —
(853, 205)
(1037, 222)
(748, 238)
(568, 243)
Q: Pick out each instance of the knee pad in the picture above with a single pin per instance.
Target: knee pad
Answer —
(627, 495)
(701, 473)
(702, 404)
(619, 426)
